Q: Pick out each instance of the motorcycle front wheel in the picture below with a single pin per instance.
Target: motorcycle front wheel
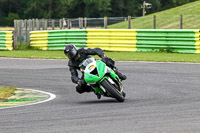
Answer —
(112, 90)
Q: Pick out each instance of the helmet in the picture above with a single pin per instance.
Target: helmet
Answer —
(70, 51)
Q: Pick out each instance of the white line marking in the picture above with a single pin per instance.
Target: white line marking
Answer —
(52, 96)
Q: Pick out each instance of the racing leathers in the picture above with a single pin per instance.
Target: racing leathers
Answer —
(73, 64)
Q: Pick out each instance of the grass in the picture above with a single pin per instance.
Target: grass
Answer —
(118, 56)
(34, 54)
(167, 19)
(155, 57)
(6, 92)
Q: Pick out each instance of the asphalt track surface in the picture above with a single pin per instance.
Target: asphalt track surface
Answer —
(161, 98)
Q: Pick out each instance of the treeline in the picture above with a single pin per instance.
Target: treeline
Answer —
(28, 9)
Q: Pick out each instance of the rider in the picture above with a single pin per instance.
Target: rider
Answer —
(76, 57)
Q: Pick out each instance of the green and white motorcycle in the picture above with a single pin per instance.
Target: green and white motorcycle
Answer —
(102, 79)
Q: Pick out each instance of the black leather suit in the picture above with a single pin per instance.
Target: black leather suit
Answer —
(74, 66)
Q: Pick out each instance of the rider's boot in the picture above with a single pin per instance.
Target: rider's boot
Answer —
(88, 88)
(84, 88)
(120, 75)
(97, 94)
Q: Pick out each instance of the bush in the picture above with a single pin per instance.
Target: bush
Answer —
(11, 17)
(3, 22)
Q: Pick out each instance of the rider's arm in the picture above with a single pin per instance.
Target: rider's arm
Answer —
(74, 75)
(95, 51)
(73, 70)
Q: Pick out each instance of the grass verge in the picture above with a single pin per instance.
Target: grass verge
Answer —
(118, 56)
(6, 92)
(167, 19)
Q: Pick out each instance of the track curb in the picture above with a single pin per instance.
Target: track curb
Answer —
(24, 97)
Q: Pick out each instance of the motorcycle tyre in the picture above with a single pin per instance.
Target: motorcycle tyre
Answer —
(112, 90)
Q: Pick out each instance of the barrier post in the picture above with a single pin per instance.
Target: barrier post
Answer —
(69, 24)
(154, 21)
(33, 24)
(85, 22)
(15, 35)
(129, 22)
(37, 24)
(181, 21)
(61, 24)
(81, 23)
(29, 28)
(26, 31)
(53, 24)
(45, 24)
(105, 22)
(20, 30)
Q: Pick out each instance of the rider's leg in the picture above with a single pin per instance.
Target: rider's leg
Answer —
(111, 63)
(83, 88)
(86, 88)
(120, 75)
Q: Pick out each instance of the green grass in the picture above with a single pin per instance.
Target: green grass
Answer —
(34, 54)
(118, 56)
(167, 19)
(6, 92)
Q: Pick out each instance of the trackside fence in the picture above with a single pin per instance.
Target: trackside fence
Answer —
(6, 40)
(147, 40)
(22, 28)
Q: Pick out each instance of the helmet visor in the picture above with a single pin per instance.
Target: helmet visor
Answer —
(72, 53)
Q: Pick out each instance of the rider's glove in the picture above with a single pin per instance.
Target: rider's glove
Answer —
(104, 56)
(81, 82)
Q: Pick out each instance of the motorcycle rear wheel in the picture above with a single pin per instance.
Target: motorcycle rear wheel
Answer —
(112, 90)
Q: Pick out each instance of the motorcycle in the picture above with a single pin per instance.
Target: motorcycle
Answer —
(102, 79)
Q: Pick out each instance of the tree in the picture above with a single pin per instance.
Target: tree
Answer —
(8, 6)
(28, 9)
(11, 17)
(51, 8)
(156, 6)
(96, 8)
(117, 7)
(132, 8)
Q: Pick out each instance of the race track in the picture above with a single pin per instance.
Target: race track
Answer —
(161, 98)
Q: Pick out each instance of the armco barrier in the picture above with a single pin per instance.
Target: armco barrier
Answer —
(182, 41)
(6, 40)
